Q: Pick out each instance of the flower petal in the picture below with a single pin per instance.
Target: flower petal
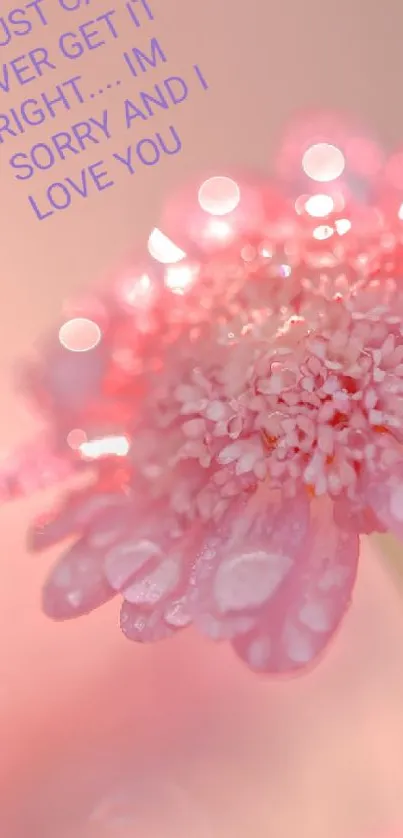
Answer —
(385, 495)
(153, 564)
(86, 510)
(77, 584)
(244, 563)
(126, 560)
(300, 620)
(143, 626)
(156, 585)
(356, 517)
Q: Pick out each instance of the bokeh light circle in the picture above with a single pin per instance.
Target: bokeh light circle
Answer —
(94, 449)
(219, 195)
(343, 226)
(323, 232)
(76, 438)
(323, 162)
(218, 230)
(180, 278)
(163, 250)
(137, 290)
(80, 334)
(319, 206)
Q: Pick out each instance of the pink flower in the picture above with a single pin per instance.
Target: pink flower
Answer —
(265, 417)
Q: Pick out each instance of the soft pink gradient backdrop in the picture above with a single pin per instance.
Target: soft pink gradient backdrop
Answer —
(99, 738)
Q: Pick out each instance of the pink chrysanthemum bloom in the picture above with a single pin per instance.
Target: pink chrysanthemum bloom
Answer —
(242, 435)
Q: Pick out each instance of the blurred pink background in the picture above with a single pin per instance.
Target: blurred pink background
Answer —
(100, 738)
